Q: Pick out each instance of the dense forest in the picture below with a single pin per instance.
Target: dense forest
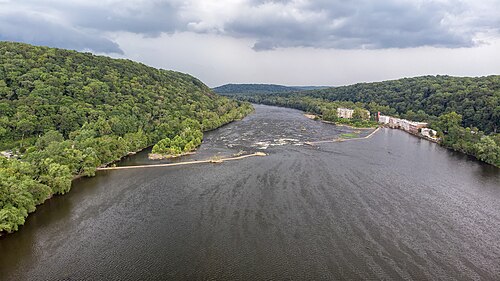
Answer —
(476, 99)
(64, 113)
(261, 88)
(464, 111)
(325, 110)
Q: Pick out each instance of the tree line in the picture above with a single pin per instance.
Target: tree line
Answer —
(477, 99)
(64, 113)
(325, 110)
(466, 117)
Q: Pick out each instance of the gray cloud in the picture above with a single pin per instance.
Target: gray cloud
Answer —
(338, 24)
(357, 24)
(84, 25)
(38, 30)
(150, 18)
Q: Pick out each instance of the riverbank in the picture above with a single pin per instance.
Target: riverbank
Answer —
(213, 160)
(62, 165)
(348, 126)
(340, 139)
(434, 140)
(438, 141)
(483, 143)
(154, 223)
(338, 123)
(157, 156)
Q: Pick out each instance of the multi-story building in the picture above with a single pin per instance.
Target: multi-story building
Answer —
(414, 127)
(348, 113)
(345, 113)
(406, 125)
(394, 122)
(429, 133)
(384, 119)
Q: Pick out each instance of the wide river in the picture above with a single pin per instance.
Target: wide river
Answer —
(389, 207)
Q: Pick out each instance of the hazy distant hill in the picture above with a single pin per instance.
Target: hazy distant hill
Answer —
(261, 88)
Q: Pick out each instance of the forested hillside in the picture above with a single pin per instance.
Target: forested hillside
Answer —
(64, 113)
(464, 111)
(477, 99)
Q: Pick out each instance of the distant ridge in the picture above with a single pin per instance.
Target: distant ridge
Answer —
(262, 88)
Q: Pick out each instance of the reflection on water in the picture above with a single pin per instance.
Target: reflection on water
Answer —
(389, 207)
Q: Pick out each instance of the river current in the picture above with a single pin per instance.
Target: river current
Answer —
(391, 207)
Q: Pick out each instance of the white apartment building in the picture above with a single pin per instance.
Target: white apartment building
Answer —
(345, 113)
(384, 119)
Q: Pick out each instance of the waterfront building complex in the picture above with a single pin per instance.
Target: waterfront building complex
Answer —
(412, 127)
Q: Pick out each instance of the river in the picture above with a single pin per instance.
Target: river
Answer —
(390, 207)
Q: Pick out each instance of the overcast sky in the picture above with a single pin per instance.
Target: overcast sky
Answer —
(291, 42)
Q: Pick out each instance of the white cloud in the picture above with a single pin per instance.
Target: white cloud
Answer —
(355, 24)
(321, 42)
(217, 60)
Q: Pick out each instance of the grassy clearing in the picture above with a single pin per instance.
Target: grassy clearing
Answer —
(349, 135)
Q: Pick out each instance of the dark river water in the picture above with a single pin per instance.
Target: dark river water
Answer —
(391, 207)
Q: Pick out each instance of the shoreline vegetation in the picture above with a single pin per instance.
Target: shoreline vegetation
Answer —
(186, 143)
(156, 156)
(341, 122)
(355, 134)
(463, 110)
(344, 137)
(66, 113)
